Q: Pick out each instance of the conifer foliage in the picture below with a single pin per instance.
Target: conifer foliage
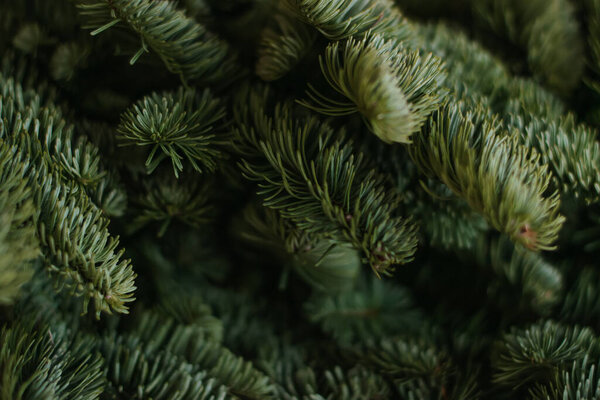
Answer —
(299, 199)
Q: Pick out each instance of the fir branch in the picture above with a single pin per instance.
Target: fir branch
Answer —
(185, 47)
(319, 183)
(537, 115)
(192, 310)
(536, 353)
(496, 176)
(282, 46)
(547, 30)
(462, 389)
(571, 149)
(581, 305)
(474, 72)
(393, 88)
(72, 231)
(446, 221)
(165, 199)
(324, 264)
(355, 383)
(109, 195)
(470, 67)
(285, 365)
(32, 107)
(372, 311)
(592, 8)
(579, 383)
(530, 99)
(134, 372)
(406, 361)
(40, 363)
(78, 249)
(525, 279)
(178, 126)
(18, 241)
(246, 323)
(237, 375)
(341, 19)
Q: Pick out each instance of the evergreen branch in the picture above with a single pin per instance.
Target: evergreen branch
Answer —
(547, 30)
(341, 19)
(178, 126)
(192, 310)
(446, 220)
(32, 107)
(528, 98)
(246, 325)
(237, 375)
(134, 372)
(537, 285)
(462, 389)
(45, 364)
(372, 311)
(165, 199)
(535, 354)
(394, 89)
(571, 149)
(319, 184)
(322, 263)
(296, 380)
(185, 47)
(408, 360)
(77, 247)
(283, 46)
(355, 383)
(470, 67)
(474, 73)
(110, 196)
(581, 305)
(286, 367)
(72, 231)
(579, 383)
(496, 176)
(18, 241)
(592, 9)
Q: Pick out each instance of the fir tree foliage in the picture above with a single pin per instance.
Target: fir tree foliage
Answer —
(571, 150)
(186, 342)
(538, 284)
(534, 354)
(134, 373)
(325, 264)
(178, 126)
(373, 310)
(185, 46)
(77, 247)
(342, 19)
(498, 177)
(165, 199)
(294, 164)
(18, 240)
(48, 364)
(79, 250)
(546, 30)
(394, 89)
(283, 45)
(578, 383)
(404, 208)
